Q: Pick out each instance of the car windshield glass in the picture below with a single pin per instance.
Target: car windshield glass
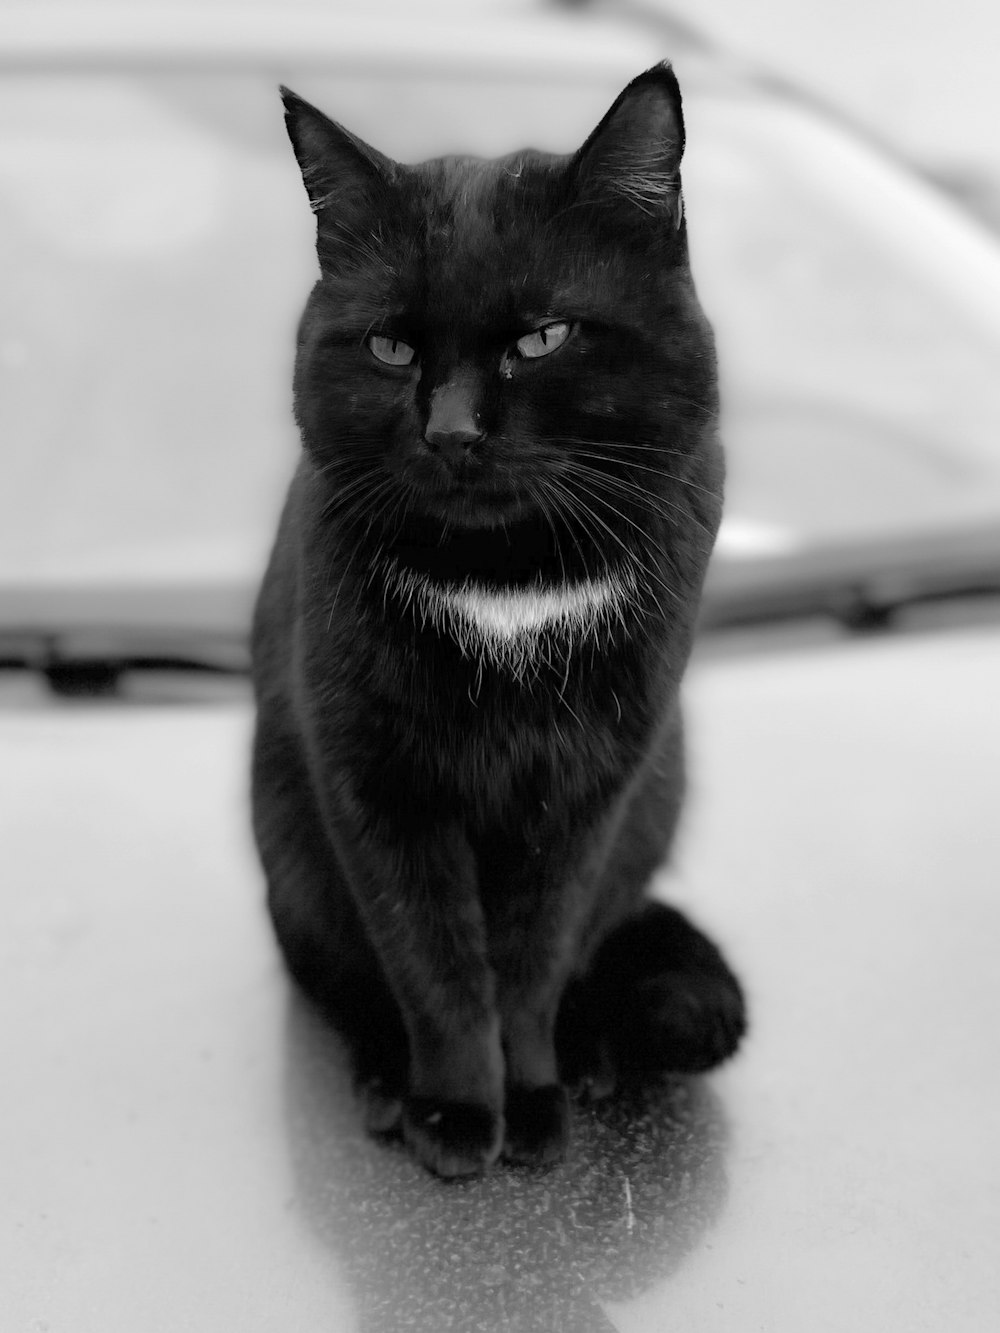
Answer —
(858, 356)
(156, 247)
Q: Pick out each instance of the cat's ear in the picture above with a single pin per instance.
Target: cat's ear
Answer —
(346, 180)
(634, 155)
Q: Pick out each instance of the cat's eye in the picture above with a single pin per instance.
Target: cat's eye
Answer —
(390, 351)
(544, 340)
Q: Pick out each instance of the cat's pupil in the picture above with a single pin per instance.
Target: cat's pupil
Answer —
(542, 341)
(392, 351)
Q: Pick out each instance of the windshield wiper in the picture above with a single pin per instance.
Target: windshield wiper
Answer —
(91, 666)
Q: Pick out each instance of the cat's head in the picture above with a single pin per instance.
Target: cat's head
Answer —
(500, 342)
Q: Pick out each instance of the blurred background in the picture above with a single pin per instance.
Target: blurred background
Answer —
(921, 77)
(156, 248)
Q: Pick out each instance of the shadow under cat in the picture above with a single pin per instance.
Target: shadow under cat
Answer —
(516, 1249)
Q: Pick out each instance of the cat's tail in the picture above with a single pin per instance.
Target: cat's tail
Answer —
(659, 997)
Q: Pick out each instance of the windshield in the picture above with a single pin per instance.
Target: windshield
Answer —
(861, 379)
(156, 248)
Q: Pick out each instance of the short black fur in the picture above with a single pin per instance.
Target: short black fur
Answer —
(462, 782)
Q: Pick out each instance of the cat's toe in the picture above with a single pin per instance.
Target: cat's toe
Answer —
(594, 1078)
(383, 1109)
(599, 1083)
(452, 1138)
(686, 1024)
(538, 1125)
(586, 1062)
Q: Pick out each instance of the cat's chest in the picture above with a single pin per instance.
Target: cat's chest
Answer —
(500, 769)
(493, 701)
(500, 748)
(515, 630)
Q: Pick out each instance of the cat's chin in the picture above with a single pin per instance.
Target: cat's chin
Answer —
(478, 512)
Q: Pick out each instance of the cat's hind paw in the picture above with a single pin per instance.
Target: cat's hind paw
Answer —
(538, 1125)
(452, 1138)
(682, 1023)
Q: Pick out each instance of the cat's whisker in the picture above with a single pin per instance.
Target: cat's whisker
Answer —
(640, 467)
(585, 515)
(351, 461)
(336, 595)
(581, 454)
(561, 511)
(400, 510)
(540, 500)
(630, 494)
(343, 498)
(657, 578)
(362, 501)
(350, 509)
(638, 495)
(384, 490)
(632, 446)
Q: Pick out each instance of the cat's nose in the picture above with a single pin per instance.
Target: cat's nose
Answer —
(453, 424)
(453, 446)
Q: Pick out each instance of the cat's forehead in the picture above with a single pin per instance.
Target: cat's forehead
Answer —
(471, 202)
(472, 177)
(479, 233)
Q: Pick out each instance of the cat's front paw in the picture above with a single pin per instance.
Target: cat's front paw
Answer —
(453, 1138)
(383, 1108)
(538, 1124)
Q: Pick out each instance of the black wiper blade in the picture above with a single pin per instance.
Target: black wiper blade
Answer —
(97, 678)
(92, 663)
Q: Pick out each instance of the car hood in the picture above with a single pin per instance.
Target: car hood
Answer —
(182, 1146)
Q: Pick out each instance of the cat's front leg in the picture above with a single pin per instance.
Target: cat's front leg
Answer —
(453, 1111)
(414, 883)
(537, 1106)
(535, 924)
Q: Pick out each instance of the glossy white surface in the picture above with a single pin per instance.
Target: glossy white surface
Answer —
(180, 1149)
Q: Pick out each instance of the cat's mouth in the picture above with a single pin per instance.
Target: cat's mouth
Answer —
(523, 552)
(490, 504)
(474, 511)
(467, 493)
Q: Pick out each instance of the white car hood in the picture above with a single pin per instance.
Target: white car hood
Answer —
(181, 1149)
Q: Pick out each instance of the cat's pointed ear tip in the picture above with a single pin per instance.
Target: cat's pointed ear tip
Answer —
(296, 107)
(663, 73)
(300, 116)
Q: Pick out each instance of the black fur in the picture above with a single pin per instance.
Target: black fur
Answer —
(458, 847)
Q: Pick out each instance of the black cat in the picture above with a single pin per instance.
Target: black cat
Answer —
(470, 640)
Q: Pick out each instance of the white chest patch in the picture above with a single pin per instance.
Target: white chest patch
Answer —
(517, 627)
